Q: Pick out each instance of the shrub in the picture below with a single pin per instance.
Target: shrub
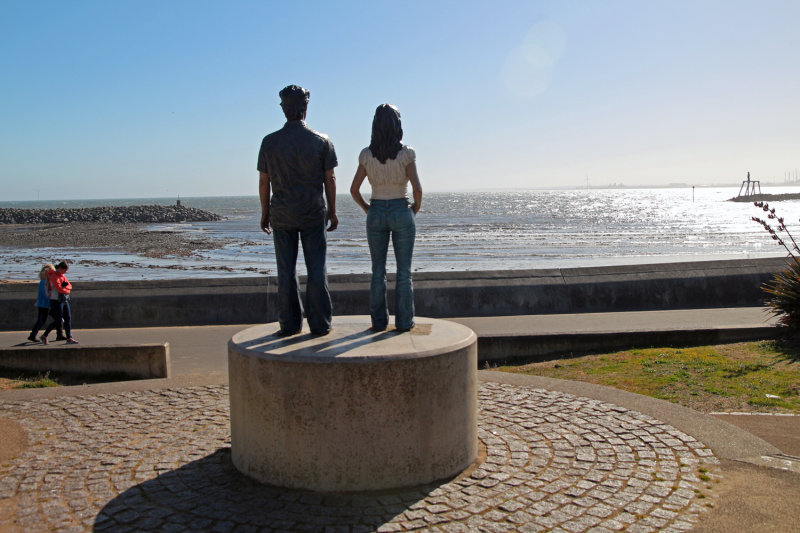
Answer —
(784, 289)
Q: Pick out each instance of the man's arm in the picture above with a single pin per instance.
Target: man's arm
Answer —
(330, 196)
(263, 194)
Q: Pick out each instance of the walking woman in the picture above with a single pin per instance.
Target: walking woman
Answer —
(389, 166)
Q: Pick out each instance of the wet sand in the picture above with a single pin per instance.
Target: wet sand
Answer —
(131, 238)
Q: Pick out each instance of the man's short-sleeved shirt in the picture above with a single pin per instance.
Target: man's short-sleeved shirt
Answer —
(296, 158)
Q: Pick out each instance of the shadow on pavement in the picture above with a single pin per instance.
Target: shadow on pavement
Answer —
(210, 494)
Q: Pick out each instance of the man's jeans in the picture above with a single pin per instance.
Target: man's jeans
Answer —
(318, 299)
(385, 219)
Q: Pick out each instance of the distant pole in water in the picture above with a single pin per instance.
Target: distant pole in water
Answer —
(692, 193)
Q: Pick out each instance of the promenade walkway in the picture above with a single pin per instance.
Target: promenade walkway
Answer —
(559, 456)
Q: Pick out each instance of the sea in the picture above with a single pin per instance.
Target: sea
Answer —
(456, 231)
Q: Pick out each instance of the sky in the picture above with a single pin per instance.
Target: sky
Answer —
(153, 98)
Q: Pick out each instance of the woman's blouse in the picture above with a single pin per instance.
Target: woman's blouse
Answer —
(388, 180)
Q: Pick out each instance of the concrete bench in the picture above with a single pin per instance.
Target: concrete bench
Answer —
(139, 361)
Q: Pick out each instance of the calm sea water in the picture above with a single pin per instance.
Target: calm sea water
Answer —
(457, 231)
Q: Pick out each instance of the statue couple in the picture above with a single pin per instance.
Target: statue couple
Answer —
(295, 166)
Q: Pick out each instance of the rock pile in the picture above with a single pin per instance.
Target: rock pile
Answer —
(765, 197)
(131, 214)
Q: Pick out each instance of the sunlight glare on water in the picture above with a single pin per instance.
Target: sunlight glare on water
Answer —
(462, 231)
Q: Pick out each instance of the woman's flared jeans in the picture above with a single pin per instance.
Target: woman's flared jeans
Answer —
(391, 219)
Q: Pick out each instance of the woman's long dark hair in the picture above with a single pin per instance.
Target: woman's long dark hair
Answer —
(387, 132)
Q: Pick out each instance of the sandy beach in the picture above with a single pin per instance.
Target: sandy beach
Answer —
(127, 237)
(102, 251)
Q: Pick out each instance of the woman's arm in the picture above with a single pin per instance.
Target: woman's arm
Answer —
(355, 187)
(416, 186)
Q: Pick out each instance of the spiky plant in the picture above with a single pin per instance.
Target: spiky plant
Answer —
(784, 288)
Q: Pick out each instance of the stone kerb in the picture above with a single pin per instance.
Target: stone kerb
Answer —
(137, 361)
(354, 410)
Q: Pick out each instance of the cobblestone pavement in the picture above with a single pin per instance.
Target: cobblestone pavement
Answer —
(159, 460)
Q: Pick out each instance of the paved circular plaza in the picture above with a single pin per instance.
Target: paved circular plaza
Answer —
(159, 460)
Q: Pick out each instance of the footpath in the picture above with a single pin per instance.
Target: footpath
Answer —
(149, 455)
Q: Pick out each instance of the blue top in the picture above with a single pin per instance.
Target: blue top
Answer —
(43, 300)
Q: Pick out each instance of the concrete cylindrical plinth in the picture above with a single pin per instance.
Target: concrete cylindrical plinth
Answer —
(354, 410)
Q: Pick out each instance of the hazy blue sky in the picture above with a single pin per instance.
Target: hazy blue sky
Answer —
(162, 98)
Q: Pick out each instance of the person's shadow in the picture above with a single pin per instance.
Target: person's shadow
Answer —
(331, 348)
(211, 495)
(26, 343)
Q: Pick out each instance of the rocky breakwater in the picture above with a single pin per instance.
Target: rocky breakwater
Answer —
(128, 214)
(141, 214)
(766, 197)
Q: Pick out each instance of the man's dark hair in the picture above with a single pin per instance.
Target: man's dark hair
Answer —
(387, 132)
(294, 101)
(63, 264)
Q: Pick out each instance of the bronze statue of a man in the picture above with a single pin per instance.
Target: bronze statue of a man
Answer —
(295, 166)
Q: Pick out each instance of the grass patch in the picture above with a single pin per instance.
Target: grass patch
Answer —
(38, 382)
(17, 379)
(744, 376)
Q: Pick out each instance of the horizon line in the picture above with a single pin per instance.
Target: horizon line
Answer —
(613, 186)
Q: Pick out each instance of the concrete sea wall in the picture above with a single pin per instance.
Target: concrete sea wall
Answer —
(690, 285)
